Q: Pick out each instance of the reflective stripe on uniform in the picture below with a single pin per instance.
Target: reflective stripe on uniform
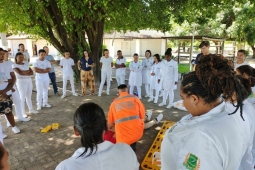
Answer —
(128, 96)
(126, 119)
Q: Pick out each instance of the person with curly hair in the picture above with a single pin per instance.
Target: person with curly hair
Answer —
(210, 137)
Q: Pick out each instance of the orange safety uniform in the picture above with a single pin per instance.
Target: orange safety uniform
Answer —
(127, 113)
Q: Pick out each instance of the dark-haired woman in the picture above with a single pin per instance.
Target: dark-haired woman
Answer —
(155, 79)
(210, 137)
(85, 65)
(24, 84)
(169, 78)
(146, 72)
(248, 72)
(95, 154)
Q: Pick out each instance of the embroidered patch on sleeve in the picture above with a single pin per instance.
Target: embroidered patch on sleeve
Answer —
(192, 162)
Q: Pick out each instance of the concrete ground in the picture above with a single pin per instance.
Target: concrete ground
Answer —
(33, 150)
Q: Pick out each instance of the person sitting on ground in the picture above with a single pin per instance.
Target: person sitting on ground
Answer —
(126, 115)
(95, 153)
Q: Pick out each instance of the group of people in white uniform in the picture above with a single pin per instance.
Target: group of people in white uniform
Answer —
(217, 134)
(156, 75)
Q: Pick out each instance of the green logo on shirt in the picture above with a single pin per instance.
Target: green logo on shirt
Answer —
(192, 162)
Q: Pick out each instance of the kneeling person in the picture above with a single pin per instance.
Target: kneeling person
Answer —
(126, 115)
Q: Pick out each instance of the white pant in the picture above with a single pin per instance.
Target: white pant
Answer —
(17, 103)
(25, 90)
(131, 90)
(42, 91)
(156, 95)
(147, 88)
(105, 75)
(65, 78)
(170, 94)
(120, 79)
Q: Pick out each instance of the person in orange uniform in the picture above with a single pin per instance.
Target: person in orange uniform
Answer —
(126, 115)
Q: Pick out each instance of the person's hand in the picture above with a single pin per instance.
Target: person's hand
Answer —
(176, 83)
(158, 80)
(13, 90)
(3, 94)
(152, 74)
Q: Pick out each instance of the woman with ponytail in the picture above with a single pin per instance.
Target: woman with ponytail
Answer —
(210, 137)
(95, 154)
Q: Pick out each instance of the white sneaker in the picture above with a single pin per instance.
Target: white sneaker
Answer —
(169, 106)
(162, 104)
(4, 136)
(47, 105)
(63, 96)
(38, 108)
(155, 101)
(33, 111)
(150, 100)
(75, 94)
(159, 118)
(15, 129)
(149, 113)
(140, 98)
(24, 115)
(99, 94)
(108, 93)
(23, 119)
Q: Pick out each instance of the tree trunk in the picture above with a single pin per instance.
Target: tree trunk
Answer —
(253, 51)
(95, 43)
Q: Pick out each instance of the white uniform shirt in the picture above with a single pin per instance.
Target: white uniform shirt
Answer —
(135, 77)
(42, 65)
(251, 98)
(169, 74)
(67, 65)
(5, 74)
(106, 63)
(26, 56)
(23, 67)
(108, 157)
(154, 79)
(213, 141)
(147, 65)
(238, 65)
(121, 71)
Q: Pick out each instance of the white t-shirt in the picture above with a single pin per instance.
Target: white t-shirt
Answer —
(238, 65)
(42, 65)
(108, 157)
(67, 65)
(23, 67)
(121, 71)
(5, 74)
(106, 63)
(26, 56)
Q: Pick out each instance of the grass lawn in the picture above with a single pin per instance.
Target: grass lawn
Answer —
(183, 68)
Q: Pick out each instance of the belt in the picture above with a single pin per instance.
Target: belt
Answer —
(126, 119)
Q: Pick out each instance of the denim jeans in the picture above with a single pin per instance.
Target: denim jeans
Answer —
(53, 81)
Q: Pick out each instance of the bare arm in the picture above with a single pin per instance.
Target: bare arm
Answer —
(111, 64)
(52, 62)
